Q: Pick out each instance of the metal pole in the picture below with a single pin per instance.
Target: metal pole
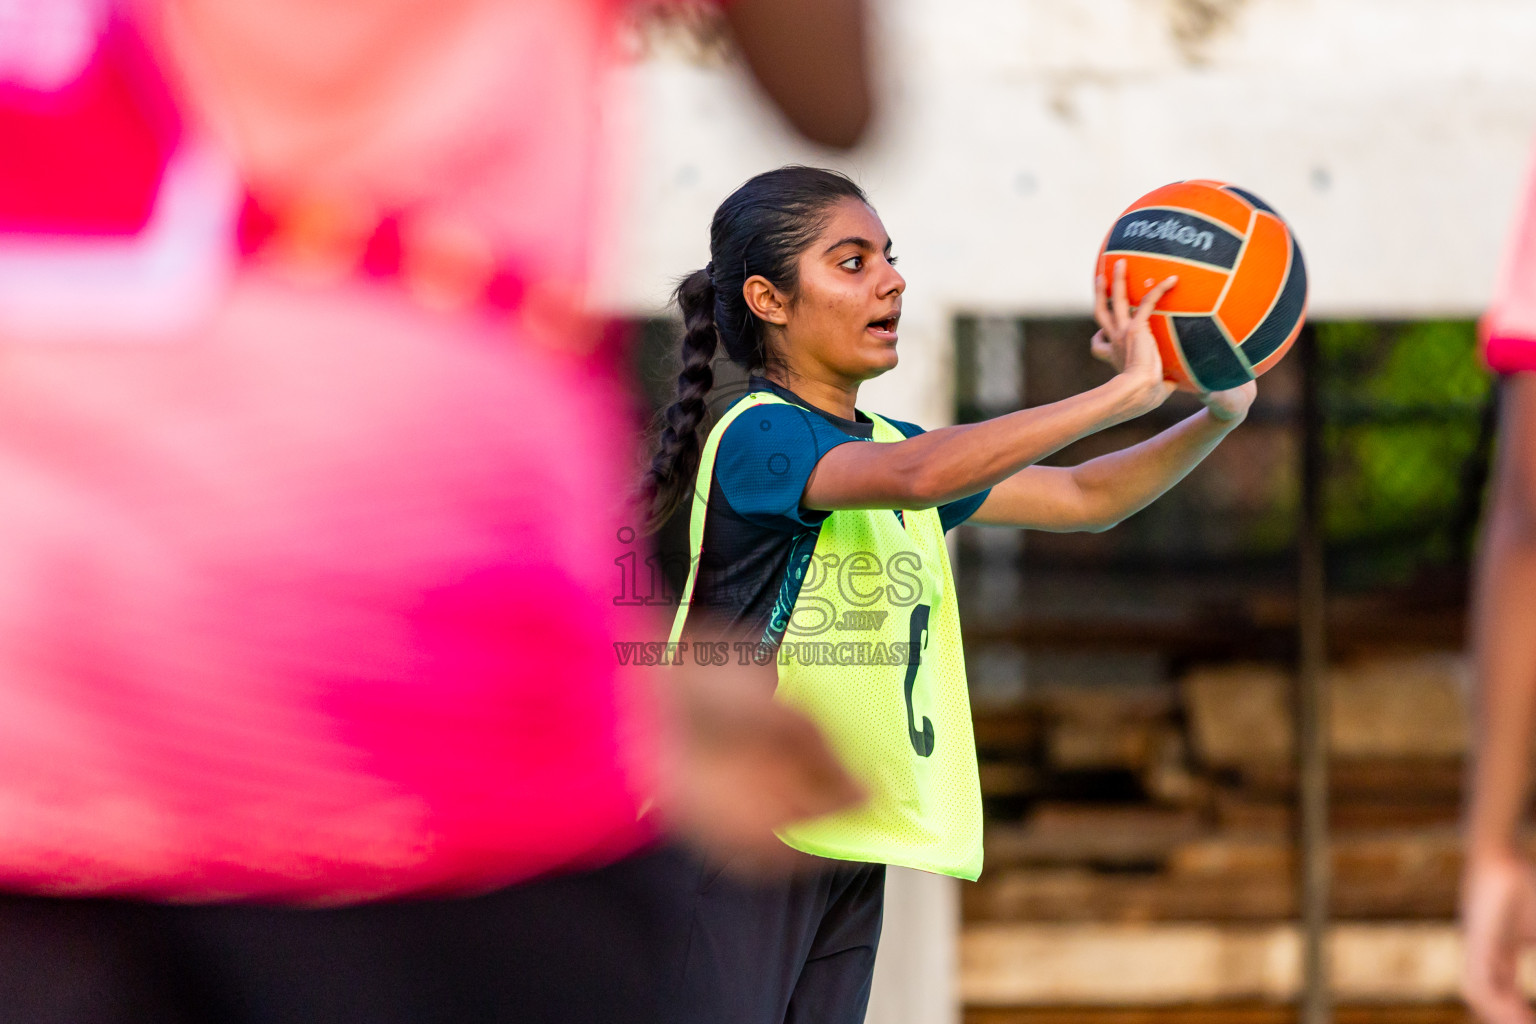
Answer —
(1312, 699)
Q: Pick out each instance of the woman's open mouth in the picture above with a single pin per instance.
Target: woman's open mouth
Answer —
(886, 328)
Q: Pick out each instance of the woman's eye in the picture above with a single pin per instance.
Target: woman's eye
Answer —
(853, 263)
(892, 260)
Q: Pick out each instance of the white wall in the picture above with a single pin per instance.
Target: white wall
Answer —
(1393, 134)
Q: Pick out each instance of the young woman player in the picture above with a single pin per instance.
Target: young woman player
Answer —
(797, 521)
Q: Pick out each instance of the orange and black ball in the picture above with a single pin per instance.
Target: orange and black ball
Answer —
(1242, 291)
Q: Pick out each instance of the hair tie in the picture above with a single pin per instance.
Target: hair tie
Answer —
(709, 271)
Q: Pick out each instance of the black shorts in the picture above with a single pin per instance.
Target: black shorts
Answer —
(598, 946)
(794, 951)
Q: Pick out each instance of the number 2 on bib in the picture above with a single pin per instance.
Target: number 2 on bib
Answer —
(922, 739)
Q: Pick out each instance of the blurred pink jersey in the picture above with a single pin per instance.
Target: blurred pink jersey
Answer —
(1509, 326)
(306, 558)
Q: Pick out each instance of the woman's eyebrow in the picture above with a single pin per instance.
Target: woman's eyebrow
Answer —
(856, 240)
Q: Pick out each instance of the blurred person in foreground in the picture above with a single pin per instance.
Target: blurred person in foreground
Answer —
(310, 474)
(1498, 897)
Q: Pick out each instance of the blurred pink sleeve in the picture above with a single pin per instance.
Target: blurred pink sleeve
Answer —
(1508, 329)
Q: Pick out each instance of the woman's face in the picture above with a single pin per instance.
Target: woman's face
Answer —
(840, 325)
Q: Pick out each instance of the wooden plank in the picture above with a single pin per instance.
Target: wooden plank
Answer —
(1140, 834)
(1178, 964)
(1235, 878)
(1085, 745)
(1063, 895)
(1004, 778)
(1236, 814)
(1079, 894)
(1106, 727)
(1171, 779)
(1109, 965)
(1011, 730)
(1361, 855)
(1239, 715)
(1400, 707)
(1149, 701)
(1400, 780)
(1405, 707)
(1356, 626)
(1229, 879)
(1074, 894)
(1090, 834)
(1227, 1013)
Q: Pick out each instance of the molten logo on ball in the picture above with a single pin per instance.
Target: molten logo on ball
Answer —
(1172, 230)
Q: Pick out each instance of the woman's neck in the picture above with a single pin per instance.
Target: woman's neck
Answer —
(835, 398)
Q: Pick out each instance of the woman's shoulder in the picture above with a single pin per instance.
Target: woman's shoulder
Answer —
(907, 429)
(765, 457)
(779, 426)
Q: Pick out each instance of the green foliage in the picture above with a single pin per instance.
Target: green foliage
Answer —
(1401, 404)
(1429, 363)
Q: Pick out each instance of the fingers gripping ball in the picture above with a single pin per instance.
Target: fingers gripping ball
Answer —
(1242, 291)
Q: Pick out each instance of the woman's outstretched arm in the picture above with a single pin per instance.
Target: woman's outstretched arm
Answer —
(1104, 491)
(953, 462)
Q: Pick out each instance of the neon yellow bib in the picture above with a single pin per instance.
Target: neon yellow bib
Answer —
(871, 652)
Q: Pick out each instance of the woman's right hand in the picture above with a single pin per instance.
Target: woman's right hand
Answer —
(1498, 922)
(1125, 341)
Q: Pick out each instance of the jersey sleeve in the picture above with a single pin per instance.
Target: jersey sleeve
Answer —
(951, 513)
(765, 459)
(1508, 327)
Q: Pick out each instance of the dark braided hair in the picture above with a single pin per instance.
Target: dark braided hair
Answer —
(761, 229)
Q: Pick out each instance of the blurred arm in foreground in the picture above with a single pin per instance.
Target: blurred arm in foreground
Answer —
(811, 57)
(1498, 895)
(1499, 887)
(740, 764)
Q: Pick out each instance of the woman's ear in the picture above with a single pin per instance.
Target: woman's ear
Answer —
(764, 300)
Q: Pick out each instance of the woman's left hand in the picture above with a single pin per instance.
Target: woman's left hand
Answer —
(1231, 405)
